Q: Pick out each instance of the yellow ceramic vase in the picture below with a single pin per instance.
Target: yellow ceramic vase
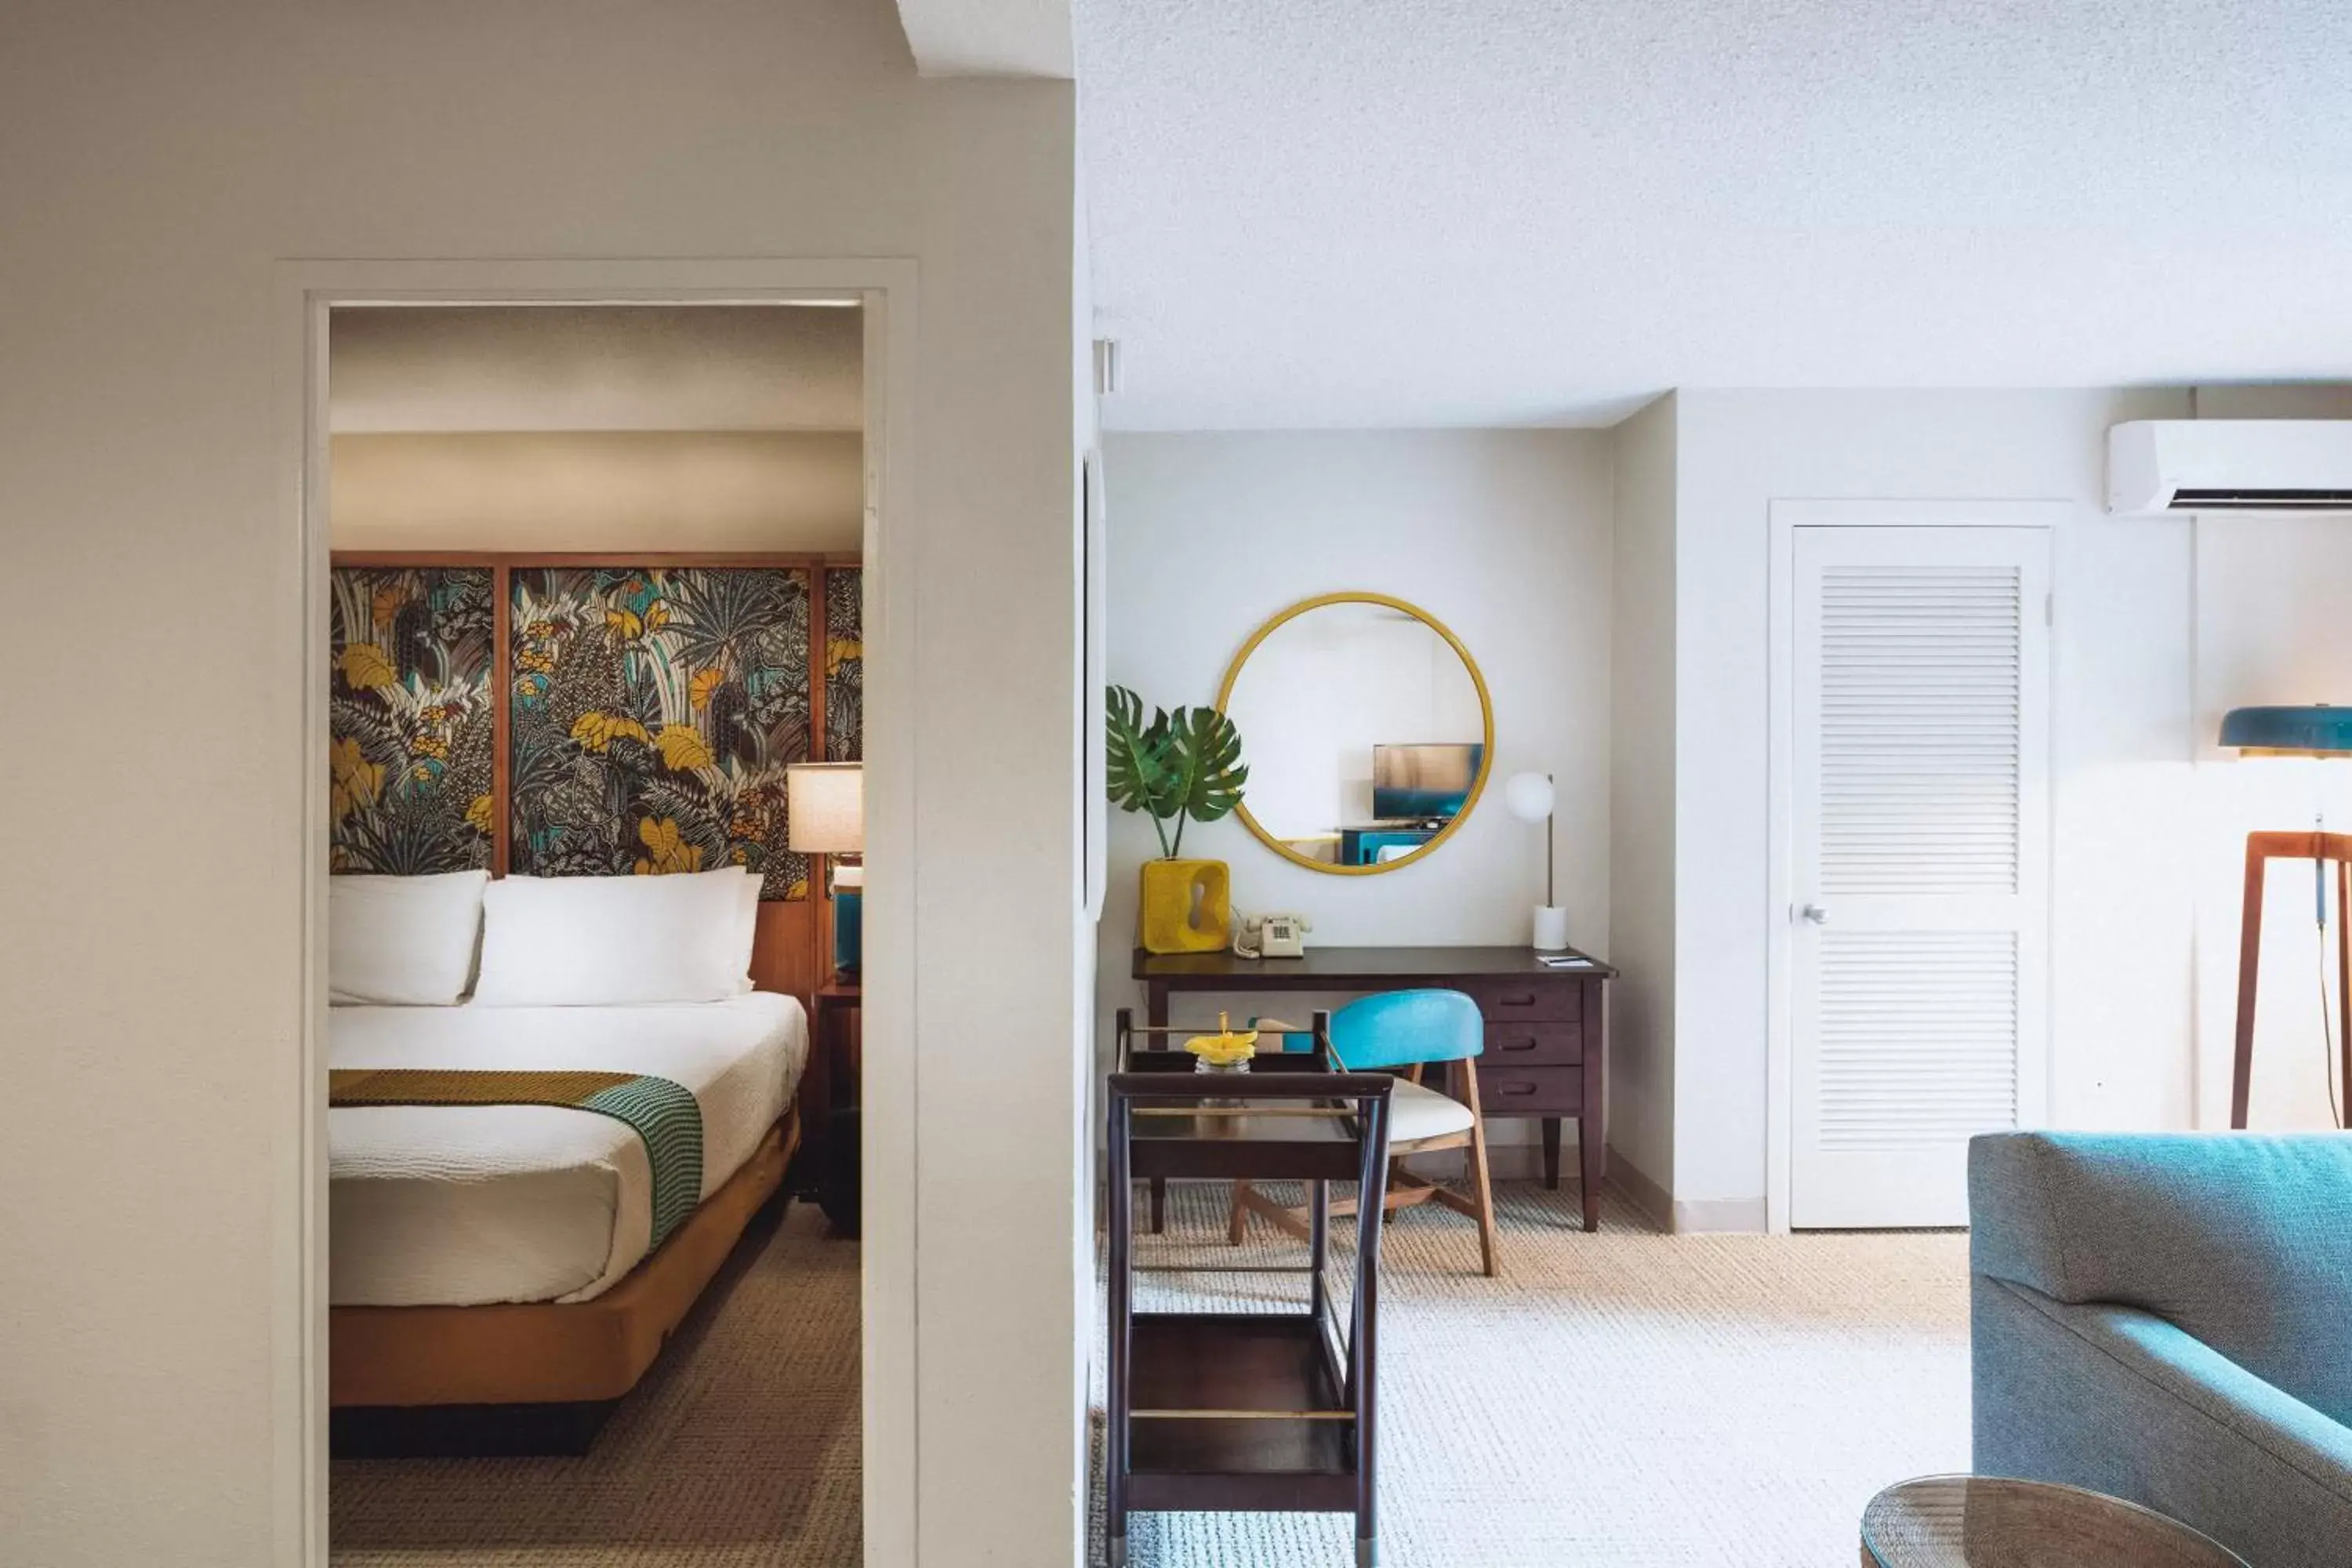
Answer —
(1186, 906)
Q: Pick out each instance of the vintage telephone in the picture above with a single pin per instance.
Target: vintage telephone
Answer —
(1272, 936)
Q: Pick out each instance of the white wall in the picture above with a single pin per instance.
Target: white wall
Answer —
(2162, 625)
(601, 489)
(2273, 608)
(1505, 536)
(1642, 808)
(164, 159)
(1088, 655)
(2123, 895)
(681, 368)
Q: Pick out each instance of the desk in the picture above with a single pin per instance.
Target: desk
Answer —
(1547, 1029)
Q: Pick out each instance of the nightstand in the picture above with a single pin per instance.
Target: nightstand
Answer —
(831, 1099)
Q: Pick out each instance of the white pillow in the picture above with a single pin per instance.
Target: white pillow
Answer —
(750, 915)
(403, 940)
(600, 941)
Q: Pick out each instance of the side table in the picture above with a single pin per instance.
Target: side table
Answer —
(1983, 1521)
(830, 1104)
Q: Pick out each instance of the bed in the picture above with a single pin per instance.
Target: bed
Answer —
(499, 1256)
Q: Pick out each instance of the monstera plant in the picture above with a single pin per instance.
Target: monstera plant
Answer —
(1182, 766)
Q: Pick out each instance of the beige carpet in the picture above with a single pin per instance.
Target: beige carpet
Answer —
(1619, 1399)
(1624, 1398)
(739, 1449)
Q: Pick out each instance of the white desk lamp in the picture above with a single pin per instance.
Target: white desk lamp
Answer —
(1531, 798)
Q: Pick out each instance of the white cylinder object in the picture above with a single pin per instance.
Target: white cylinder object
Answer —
(1551, 928)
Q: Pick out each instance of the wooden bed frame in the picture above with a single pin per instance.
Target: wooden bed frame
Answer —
(398, 1376)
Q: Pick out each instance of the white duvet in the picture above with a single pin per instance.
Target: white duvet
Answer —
(461, 1206)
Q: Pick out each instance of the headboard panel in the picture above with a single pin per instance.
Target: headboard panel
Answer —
(786, 955)
(631, 715)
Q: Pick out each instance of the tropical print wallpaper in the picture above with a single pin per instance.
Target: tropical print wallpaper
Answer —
(845, 665)
(655, 712)
(410, 724)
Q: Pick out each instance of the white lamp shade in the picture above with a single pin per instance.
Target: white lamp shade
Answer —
(825, 805)
(1530, 796)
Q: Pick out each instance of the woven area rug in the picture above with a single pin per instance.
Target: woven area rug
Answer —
(739, 1450)
(1621, 1399)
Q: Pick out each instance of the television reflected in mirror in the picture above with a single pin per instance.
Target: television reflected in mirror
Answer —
(1424, 785)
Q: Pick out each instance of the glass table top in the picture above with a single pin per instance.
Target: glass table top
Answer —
(1974, 1522)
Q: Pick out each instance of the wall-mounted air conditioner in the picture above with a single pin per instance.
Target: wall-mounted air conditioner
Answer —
(2230, 465)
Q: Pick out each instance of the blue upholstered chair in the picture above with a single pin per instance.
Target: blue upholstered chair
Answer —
(2166, 1318)
(1405, 1031)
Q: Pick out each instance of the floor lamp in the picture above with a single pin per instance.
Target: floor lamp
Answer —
(2318, 731)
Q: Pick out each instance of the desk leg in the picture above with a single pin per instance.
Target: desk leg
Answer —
(1155, 1013)
(1591, 1140)
(1551, 1153)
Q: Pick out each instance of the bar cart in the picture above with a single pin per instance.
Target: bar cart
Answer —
(1251, 1412)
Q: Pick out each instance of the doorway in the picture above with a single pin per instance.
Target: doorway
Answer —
(1912, 778)
(884, 1141)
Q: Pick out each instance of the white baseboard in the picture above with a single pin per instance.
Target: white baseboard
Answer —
(1684, 1218)
(1737, 1216)
(1634, 1186)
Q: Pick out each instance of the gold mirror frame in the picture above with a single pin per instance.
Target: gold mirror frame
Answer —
(1485, 710)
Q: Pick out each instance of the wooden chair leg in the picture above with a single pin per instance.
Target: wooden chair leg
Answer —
(1484, 1187)
(1237, 1222)
(1396, 1167)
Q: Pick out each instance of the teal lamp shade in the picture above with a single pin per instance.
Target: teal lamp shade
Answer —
(2316, 730)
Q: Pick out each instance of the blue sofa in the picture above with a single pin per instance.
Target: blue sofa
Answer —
(2168, 1318)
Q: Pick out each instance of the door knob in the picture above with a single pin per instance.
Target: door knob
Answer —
(1813, 914)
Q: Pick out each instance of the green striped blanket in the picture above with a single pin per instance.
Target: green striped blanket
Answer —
(661, 1113)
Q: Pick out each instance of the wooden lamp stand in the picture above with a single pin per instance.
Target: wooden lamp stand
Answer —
(2328, 850)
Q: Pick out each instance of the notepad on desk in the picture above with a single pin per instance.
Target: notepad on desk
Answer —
(1563, 961)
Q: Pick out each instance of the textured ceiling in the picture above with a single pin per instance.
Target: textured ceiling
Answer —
(416, 368)
(1406, 212)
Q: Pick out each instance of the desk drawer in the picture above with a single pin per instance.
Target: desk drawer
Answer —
(1530, 1091)
(1536, 1000)
(1534, 1044)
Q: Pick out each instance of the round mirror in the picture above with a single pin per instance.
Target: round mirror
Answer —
(1367, 730)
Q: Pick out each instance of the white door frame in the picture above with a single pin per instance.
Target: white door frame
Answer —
(304, 292)
(1786, 518)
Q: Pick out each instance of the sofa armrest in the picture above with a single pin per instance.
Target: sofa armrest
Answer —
(2121, 1402)
(2243, 1241)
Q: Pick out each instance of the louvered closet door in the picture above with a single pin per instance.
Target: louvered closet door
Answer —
(1920, 865)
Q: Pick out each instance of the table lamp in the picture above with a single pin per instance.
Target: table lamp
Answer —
(2316, 730)
(824, 808)
(1531, 797)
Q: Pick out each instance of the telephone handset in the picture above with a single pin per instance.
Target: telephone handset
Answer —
(1272, 936)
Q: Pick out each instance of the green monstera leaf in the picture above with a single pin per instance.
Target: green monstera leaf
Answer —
(1142, 775)
(1177, 767)
(1207, 761)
